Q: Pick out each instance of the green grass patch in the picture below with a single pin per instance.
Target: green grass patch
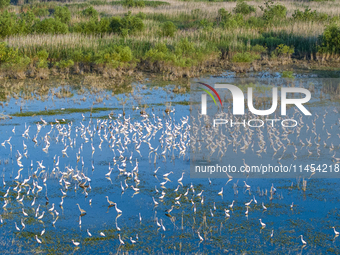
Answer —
(59, 111)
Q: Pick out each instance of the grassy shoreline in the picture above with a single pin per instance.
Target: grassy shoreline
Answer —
(171, 73)
(174, 38)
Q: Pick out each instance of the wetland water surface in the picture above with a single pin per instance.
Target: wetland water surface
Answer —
(61, 156)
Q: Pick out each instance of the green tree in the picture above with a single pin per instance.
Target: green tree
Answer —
(8, 22)
(168, 29)
(29, 19)
(63, 14)
(127, 25)
(50, 26)
(115, 24)
(103, 26)
(330, 39)
(91, 13)
(133, 3)
(4, 3)
(42, 59)
(272, 12)
(243, 8)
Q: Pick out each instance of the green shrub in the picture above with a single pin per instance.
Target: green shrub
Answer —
(285, 50)
(42, 59)
(91, 13)
(204, 23)
(258, 48)
(4, 3)
(227, 20)
(255, 22)
(50, 26)
(65, 63)
(185, 48)
(8, 23)
(287, 74)
(40, 12)
(130, 23)
(140, 4)
(128, 3)
(168, 29)
(92, 26)
(29, 19)
(63, 14)
(308, 15)
(273, 12)
(141, 15)
(155, 3)
(8, 55)
(157, 53)
(114, 56)
(115, 25)
(330, 40)
(77, 56)
(245, 57)
(243, 8)
(185, 53)
(103, 26)
(133, 3)
(223, 15)
(125, 53)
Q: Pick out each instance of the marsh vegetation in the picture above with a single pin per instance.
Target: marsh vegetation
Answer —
(174, 38)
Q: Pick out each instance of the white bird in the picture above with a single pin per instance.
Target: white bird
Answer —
(262, 224)
(40, 164)
(52, 208)
(167, 174)
(132, 241)
(22, 224)
(16, 226)
(41, 216)
(335, 232)
(88, 232)
(246, 185)
(75, 243)
(38, 240)
(247, 204)
(303, 241)
(118, 210)
(120, 240)
(24, 213)
(264, 207)
(180, 179)
(200, 237)
(254, 200)
(155, 202)
(200, 194)
(117, 227)
(102, 234)
(162, 225)
(231, 205)
(226, 213)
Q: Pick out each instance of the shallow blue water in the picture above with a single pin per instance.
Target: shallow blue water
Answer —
(314, 212)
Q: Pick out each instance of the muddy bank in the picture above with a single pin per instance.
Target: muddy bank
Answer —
(171, 73)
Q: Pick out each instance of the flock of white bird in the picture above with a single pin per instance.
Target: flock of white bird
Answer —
(125, 138)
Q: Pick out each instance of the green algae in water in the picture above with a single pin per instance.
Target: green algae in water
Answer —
(65, 111)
